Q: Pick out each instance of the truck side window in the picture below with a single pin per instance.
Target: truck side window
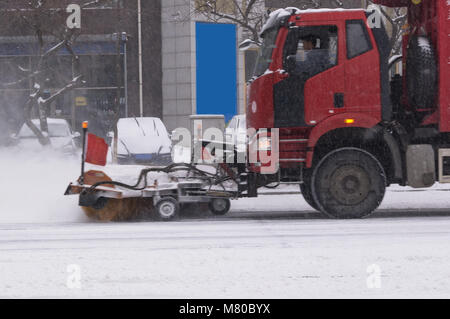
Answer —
(358, 41)
(316, 49)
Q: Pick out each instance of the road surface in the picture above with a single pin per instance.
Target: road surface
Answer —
(257, 254)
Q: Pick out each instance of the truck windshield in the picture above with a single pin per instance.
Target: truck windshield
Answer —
(266, 51)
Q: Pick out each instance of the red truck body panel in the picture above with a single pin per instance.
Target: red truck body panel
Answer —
(444, 64)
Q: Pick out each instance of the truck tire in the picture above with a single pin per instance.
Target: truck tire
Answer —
(167, 209)
(421, 73)
(348, 183)
(219, 206)
(305, 188)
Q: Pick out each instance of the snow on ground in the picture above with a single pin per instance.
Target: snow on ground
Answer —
(269, 247)
(216, 258)
(32, 186)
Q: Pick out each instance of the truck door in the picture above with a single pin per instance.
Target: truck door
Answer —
(362, 70)
(315, 85)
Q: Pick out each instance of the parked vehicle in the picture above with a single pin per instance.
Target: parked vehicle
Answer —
(61, 137)
(236, 132)
(142, 141)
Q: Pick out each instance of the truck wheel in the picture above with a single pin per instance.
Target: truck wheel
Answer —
(348, 183)
(305, 188)
(421, 73)
(219, 206)
(167, 209)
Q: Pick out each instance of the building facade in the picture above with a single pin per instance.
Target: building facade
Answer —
(167, 61)
(203, 70)
(107, 61)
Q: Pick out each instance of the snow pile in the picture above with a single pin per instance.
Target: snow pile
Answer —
(276, 15)
(32, 187)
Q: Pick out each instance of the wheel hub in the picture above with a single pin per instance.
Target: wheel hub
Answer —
(167, 209)
(219, 204)
(350, 185)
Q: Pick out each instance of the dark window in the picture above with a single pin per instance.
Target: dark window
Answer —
(100, 70)
(13, 72)
(315, 49)
(58, 70)
(358, 41)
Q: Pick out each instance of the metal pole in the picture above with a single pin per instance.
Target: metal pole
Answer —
(125, 66)
(83, 152)
(118, 77)
(141, 85)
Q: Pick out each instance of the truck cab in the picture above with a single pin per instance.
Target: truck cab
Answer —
(340, 82)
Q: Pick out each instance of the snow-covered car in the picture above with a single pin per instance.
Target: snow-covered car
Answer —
(61, 137)
(236, 132)
(143, 141)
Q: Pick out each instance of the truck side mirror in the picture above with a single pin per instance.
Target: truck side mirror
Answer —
(248, 44)
(291, 63)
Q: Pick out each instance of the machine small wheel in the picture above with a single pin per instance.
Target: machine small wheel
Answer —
(219, 206)
(167, 209)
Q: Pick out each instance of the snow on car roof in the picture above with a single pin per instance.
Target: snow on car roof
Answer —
(57, 128)
(141, 126)
(50, 121)
(133, 119)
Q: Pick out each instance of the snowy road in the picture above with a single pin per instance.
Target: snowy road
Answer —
(269, 247)
(263, 255)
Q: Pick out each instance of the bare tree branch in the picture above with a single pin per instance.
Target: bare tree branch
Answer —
(41, 17)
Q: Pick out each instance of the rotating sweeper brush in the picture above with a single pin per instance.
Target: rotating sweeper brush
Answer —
(104, 199)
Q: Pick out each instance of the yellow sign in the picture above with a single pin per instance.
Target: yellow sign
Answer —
(80, 101)
(416, 2)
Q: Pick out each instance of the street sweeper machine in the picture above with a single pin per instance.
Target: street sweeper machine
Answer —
(333, 112)
(158, 190)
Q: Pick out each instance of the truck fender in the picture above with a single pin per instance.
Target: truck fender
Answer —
(343, 120)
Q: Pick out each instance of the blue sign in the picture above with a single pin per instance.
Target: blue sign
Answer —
(216, 69)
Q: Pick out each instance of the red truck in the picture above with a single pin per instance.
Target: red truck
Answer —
(350, 126)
